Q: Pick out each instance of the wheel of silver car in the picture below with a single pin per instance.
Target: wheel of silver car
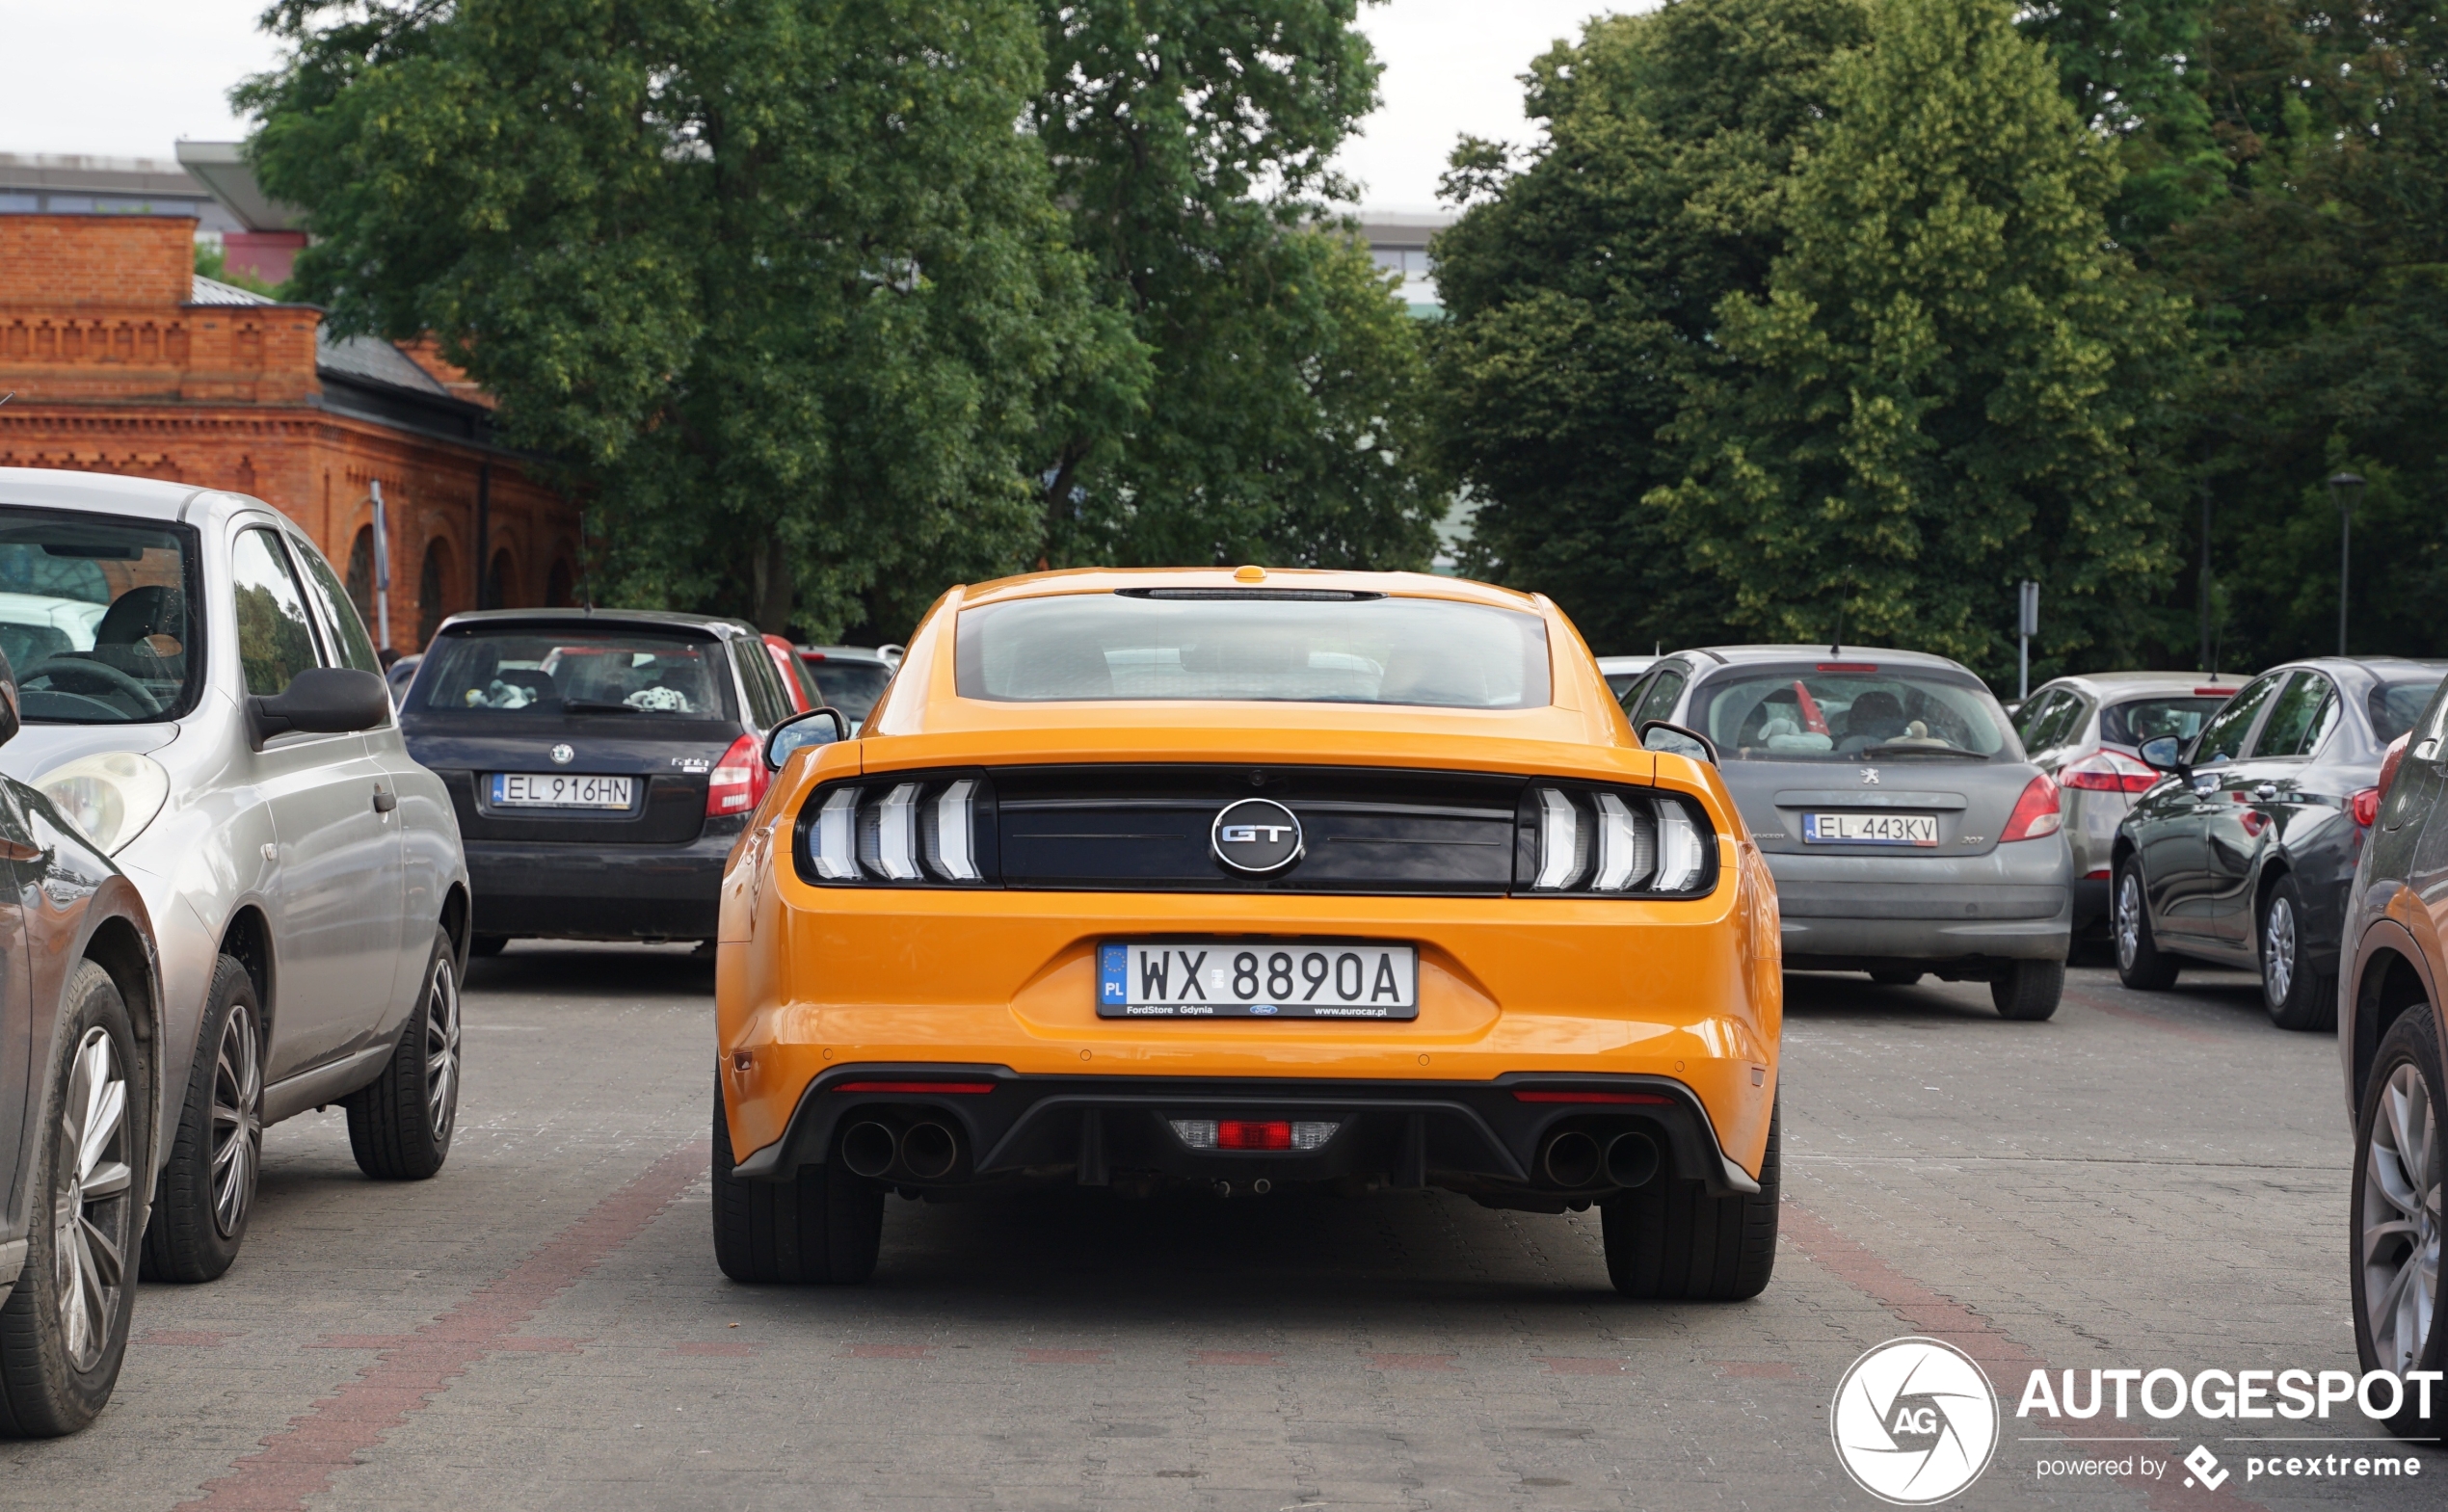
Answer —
(89, 1209)
(2399, 1224)
(238, 1118)
(442, 1049)
(2398, 1157)
(2278, 952)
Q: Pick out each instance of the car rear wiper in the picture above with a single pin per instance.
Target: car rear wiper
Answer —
(595, 706)
(1905, 750)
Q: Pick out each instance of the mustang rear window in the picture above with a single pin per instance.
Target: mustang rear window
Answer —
(535, 670)
(1269, 646)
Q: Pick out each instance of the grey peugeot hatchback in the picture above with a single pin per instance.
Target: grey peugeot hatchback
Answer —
(1907, 832)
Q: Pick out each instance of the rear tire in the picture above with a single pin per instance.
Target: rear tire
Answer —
(400, 1123)
(207, 1186)
(1671, 1242)
(2296, 995)
(63, 1325)
(824, 1227)
(1896, 976)
(2029, 991)
(2139, 964)
(2399, 1150)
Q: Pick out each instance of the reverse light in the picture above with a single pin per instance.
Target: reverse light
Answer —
(2109, 772)
(1254, 1133)
(2037, 815)
(737, 781)
(111, 797)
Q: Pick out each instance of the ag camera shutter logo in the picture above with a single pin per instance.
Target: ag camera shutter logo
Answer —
(1914, 1422)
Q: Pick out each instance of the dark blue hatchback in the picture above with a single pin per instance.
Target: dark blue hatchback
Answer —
(602, 763)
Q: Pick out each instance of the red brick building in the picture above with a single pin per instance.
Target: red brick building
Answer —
(125, 361)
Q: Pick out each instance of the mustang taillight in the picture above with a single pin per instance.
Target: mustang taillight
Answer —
(924, 829)
(1582, 839)
(737, 781)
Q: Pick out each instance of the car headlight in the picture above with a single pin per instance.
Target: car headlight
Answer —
(111, 796)
(1584, 838)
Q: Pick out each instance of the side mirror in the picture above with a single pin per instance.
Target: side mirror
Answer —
(1656, 734)
(819, 727)
(2163, 755)
(321, 700)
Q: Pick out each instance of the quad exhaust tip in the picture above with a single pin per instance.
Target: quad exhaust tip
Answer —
(1631, 1159)
(1572, 1159)
(867, 1149)
(929, 1151)
(1575, 1161)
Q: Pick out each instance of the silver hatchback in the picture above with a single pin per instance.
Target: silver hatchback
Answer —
(1906, 830)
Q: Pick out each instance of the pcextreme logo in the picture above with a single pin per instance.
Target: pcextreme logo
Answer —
(1915, 1421)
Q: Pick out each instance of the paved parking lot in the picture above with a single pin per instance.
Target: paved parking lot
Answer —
(2144, 1180)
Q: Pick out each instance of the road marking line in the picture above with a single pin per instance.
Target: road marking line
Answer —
(1567, 1364)
(1412, 1363)
(300, 1460)
(1065, 1356)
(1942, 1317)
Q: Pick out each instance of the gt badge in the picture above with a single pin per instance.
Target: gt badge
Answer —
(562, 756)
(1257, 836)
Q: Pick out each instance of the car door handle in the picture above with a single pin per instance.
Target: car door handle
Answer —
(384, 802)
(2266, 791)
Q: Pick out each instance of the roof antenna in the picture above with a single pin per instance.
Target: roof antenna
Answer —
(1836, 648)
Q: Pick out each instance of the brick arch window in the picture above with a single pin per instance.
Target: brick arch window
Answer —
(361, 574)
(558, 591)
(429, 591)
(501, 580)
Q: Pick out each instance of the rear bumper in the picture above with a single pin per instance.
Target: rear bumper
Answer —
(579, 892)
(2016, 903)
(1471, 1136)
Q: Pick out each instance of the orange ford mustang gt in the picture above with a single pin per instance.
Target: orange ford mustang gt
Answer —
(1249, 878)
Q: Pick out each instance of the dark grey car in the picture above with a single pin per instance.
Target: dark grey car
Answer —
(2396, 954)
(2242, 856)
(1906, 830)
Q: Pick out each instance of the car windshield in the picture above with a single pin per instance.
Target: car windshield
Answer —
(533, 670)
(1280, 645)
(1806, 713)
(2396, 706)
(96, 618)
(2135, 720)
(850, 686)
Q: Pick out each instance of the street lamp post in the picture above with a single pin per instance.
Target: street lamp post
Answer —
(2344, 489)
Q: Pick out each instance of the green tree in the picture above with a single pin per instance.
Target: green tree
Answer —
(1583, 287)
(777, 281)
(1954, 382)
(1281, 418)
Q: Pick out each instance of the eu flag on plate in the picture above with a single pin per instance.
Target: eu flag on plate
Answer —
(1113, 963)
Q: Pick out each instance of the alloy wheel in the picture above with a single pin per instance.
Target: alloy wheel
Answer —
(442, 1048)
(89, 1211)
(2129, 907)
(237, 1120)
(2278, 951)
(2399, 1221)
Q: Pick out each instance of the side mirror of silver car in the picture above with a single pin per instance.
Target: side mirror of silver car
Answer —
(2163, 755)
(322, 701)
(819, 727)
(1656, 734)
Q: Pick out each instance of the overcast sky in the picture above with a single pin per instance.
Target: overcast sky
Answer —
(127, 78)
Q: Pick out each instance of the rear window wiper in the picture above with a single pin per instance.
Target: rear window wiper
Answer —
(1938, 751)
(595, 706)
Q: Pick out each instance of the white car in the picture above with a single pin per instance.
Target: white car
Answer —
(202, 700)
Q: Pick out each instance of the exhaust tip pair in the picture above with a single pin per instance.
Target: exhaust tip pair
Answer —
(925, 1150)
(1574, 1161)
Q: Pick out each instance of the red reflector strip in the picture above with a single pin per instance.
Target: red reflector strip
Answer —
(1591, 1096)
(2100, 875)
(1849, 666)
(1235, 1133)
(959, 1088)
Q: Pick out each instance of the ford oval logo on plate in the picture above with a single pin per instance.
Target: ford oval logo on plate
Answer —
(563, 755)
(1257, 836)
